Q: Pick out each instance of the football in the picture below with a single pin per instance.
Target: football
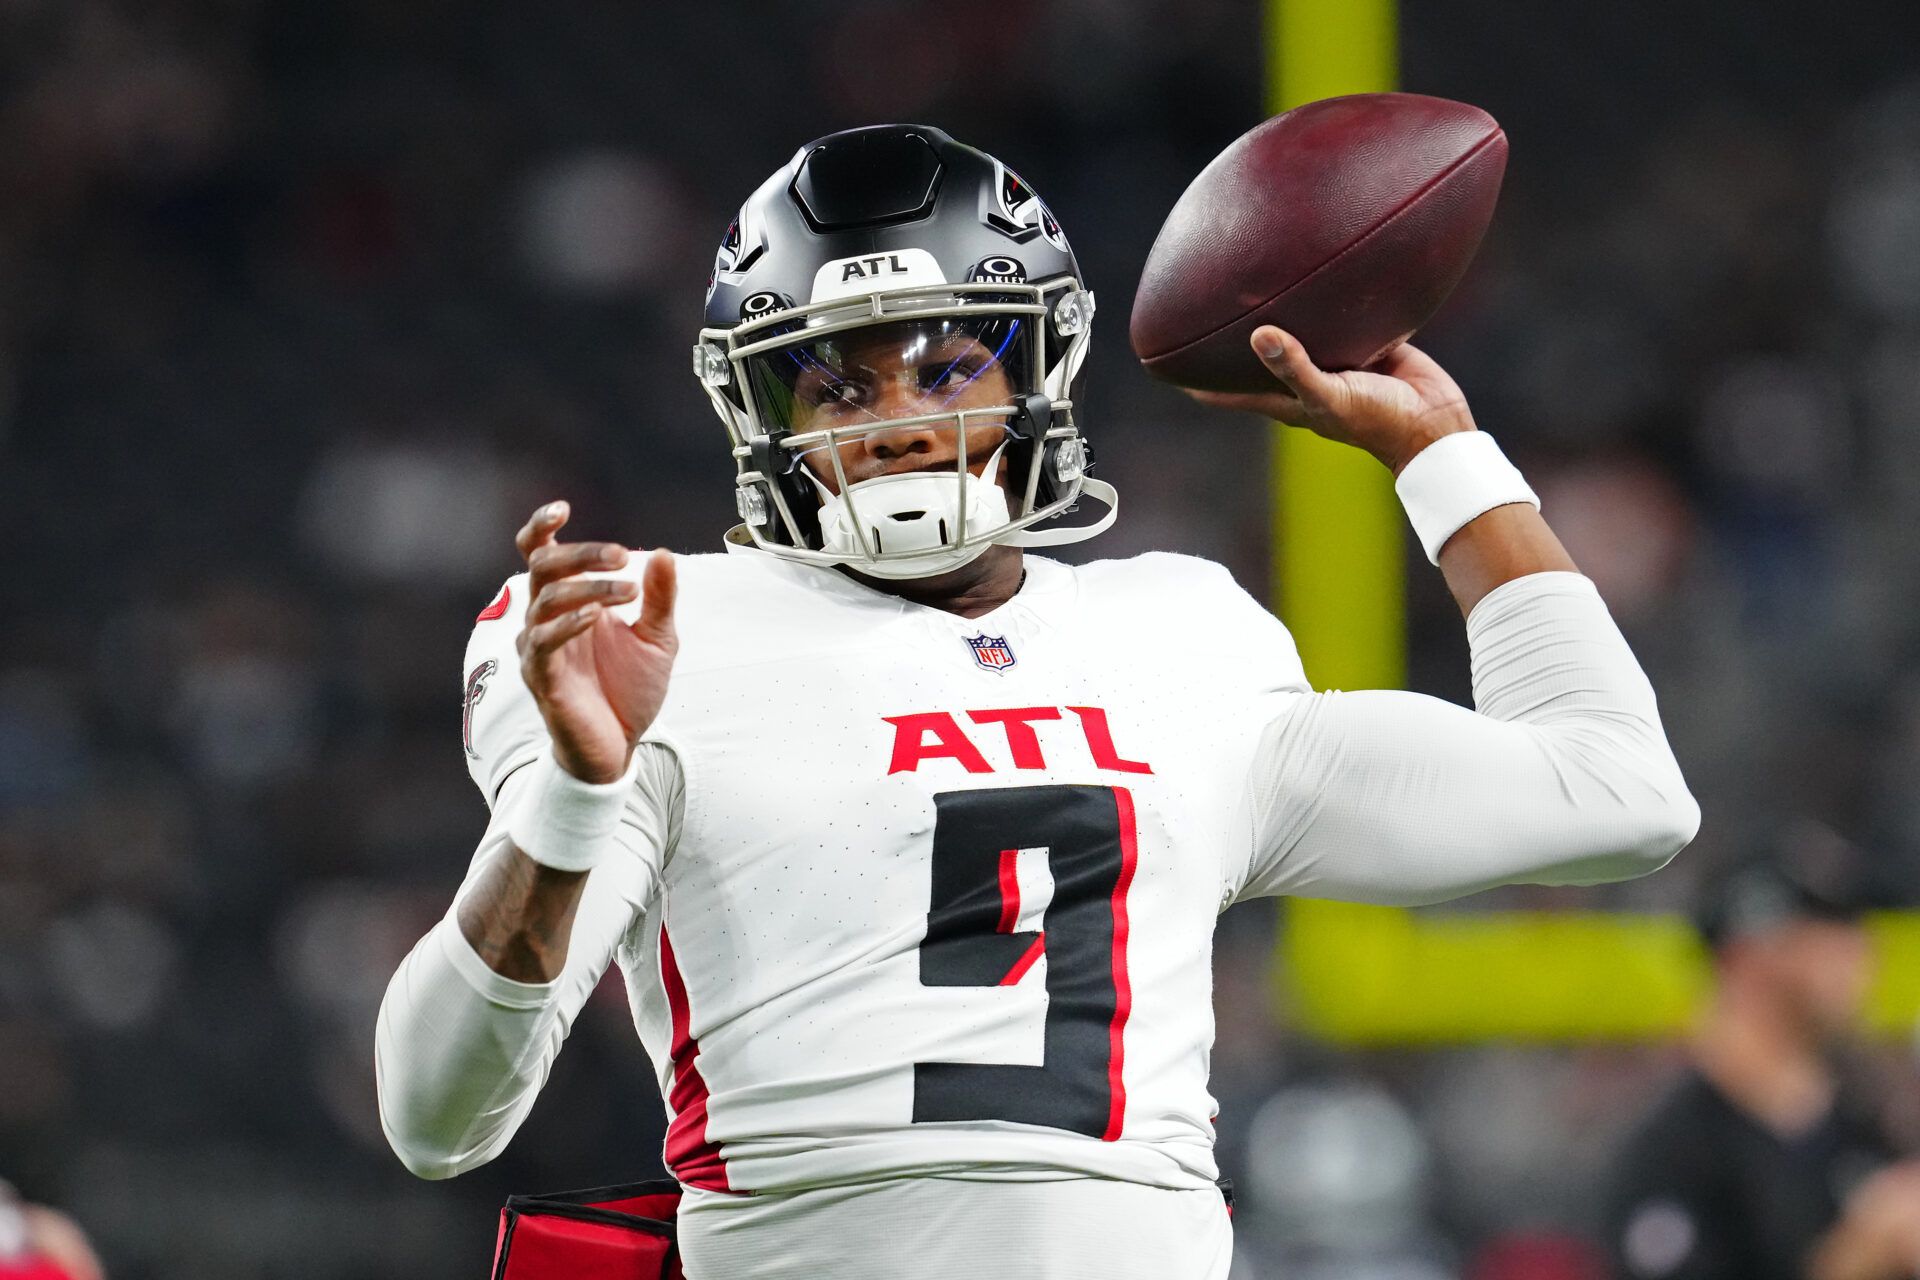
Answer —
(1346, 222)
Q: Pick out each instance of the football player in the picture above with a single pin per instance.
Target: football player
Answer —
(910, 844)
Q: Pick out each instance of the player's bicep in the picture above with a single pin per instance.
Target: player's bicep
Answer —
(1404, 799)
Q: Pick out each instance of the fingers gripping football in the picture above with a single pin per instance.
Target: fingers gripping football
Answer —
(1393, 408)
(599, 682)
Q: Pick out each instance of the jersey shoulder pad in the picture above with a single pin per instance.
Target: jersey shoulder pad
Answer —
(741, 608)
(1159, 570)
(1198, 602)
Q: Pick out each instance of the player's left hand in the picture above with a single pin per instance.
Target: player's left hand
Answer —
(598, 681)
(1393, 408)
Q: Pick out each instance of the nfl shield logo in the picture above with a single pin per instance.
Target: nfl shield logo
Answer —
(991, 652)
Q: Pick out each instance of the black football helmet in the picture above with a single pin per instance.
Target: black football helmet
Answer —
(890, 279)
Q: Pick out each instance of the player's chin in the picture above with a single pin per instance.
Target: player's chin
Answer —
(953, 582)
(949, 467)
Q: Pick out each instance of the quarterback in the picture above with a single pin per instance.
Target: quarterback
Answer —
(909, 843)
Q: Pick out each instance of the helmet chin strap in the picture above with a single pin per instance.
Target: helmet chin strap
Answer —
(912, 519)
(1099, 491)
(908, 525)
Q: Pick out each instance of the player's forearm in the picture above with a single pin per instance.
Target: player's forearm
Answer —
(459, 1054)
(462, 1045)
(1495, 548)
(518, 916)
(517, 909)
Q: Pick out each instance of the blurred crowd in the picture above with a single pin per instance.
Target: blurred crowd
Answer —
(303, 306)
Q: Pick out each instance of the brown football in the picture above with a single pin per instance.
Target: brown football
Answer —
(1345, 222)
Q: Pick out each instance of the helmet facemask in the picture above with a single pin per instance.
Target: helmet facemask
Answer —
(901, 433)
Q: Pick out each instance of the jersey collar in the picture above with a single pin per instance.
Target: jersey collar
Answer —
(1049, 586)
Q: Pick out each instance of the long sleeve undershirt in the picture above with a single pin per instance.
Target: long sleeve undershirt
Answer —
(460, 1052)
(1561, 776)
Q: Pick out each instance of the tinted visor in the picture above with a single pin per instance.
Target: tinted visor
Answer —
(895, 369)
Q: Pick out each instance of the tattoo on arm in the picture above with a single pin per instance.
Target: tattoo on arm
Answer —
(520, 915)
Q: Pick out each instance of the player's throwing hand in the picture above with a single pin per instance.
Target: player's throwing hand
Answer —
(598, 681)
(1394, 408)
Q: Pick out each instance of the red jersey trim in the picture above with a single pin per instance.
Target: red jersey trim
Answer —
(1009, 890)
(1122, 985)
(693, 1157)
(1010, 917)
(499, 606)
(1028, 958)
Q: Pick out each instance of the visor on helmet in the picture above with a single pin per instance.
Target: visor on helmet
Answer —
(877, 373)
(962, 372)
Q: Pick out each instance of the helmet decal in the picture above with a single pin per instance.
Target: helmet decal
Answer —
(764, 303)
(872, 272)
(1049, 228)
(740, 247)
(1013, 193)
(1019, 210)
(998, 269)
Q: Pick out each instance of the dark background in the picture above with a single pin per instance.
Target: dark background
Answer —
(303, 306)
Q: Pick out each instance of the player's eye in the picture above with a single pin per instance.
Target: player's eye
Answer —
(849, 394)
(825, 390)
(949, 377)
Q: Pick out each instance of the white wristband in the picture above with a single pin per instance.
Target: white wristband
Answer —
(564, 823)
(1453, 480)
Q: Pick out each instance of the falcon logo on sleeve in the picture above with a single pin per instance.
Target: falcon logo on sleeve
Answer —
(476, 690)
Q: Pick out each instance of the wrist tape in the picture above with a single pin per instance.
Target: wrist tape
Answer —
(1453, 480)
(564, 823)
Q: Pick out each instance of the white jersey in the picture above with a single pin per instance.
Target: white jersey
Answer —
(943, 890)
(915, 911)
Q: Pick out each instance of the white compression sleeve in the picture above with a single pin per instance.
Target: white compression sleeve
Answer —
(460, 1052)
(1562, 776)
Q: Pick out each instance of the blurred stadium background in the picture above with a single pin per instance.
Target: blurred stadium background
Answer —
(302, 306)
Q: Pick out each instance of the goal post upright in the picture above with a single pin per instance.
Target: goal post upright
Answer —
(1338, 545)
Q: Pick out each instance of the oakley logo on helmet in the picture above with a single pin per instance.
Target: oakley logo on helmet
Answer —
(998, 269)
(871, 272)
(764, 303)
